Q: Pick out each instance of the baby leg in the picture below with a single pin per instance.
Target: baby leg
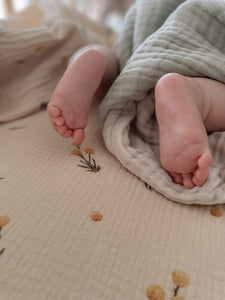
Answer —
(186, 108)
(88, 69)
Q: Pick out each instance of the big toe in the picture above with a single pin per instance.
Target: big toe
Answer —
(188, 181)
(201, 174)
(78, 136)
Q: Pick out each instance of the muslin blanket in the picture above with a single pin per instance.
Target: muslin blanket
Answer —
(162, 36)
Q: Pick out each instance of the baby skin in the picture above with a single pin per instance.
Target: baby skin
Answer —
(92, 69)
(186, 109)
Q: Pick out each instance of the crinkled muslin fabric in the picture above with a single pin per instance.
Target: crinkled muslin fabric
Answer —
(159, 37)
(144, 246)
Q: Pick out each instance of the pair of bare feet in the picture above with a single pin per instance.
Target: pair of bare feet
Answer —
(186, 108)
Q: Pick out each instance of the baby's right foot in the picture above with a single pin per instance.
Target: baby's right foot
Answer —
(70, 102)
(184, 146)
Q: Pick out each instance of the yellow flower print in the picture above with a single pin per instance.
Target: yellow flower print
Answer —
(180, 278)
(155, 292)
(76, 152)
(216, 212)
(89, 151)
(4, 220)
(39, 48)
(65, 60)
(86, 161)
(96, 216)
(74, 144)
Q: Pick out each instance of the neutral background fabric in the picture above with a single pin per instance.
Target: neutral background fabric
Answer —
(53, 250)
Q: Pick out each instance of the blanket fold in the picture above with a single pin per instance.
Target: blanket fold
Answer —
(159, 37)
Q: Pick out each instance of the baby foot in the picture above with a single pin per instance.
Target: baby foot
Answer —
(184, 147)
(70, 102)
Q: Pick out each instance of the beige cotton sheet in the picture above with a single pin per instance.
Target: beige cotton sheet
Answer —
(80, 226)
(53, 250)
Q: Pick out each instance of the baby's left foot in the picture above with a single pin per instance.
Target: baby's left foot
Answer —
(70, 102)
(184, 146)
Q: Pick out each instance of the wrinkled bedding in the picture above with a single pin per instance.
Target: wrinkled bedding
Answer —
(159, 37)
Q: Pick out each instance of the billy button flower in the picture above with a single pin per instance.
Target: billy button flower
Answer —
(216, 212)
(76, 152)
(155, 292)
(180, 279)
(4, 220)
(96, 216)
(87, 163)
(89, 151)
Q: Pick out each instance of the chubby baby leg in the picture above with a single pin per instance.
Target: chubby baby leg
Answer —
(186, 108)
(88, 69)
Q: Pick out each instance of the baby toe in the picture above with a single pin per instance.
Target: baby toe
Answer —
(177, 178)
(58, 121)
(78, 136)
(53, 111)
(202, 172)
(200, 176)
(187, 181)
(61, 129)
(67, 134)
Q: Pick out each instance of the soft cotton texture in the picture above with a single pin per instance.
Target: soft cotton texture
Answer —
(52, 248)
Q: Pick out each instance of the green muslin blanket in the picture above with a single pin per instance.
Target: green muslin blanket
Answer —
(159, 37)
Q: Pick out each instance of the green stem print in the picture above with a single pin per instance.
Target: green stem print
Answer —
(3, 249)
(176, 290)
(88, 163)
(180, 279)
(4, 220)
